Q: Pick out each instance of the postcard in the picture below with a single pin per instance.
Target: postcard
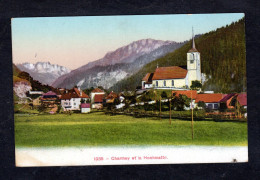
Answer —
(136, 89)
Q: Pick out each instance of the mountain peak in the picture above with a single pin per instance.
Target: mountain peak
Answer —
(44, 72)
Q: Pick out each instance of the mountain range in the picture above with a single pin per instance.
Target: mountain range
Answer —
(44, 72)
(116, 65)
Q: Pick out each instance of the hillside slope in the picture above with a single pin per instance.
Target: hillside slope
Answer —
(223, 60)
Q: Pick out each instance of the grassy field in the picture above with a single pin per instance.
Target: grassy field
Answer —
(98, 129)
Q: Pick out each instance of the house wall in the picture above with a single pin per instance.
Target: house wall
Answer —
(212, 105)
(147, 86)
(97, 106)
(73, 102)
(179, 83)
(143, 84)
(85, 110)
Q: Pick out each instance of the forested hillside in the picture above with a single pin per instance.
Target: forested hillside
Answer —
(223, 60)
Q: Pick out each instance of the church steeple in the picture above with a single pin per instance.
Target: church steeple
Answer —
(193, 49)
(193, 63)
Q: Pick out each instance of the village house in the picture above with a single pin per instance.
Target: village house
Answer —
(49, 99)
(234, 102)
(111, 97)
(211, 100)
(97, 98)
(240, 104)
(35, 97)
(175, 77)
(85, 107)
(225, 102)
(73, 98)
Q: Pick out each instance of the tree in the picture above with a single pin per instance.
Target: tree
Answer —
(202, 104)
(196, 85)
(164, 94)
(180, 102)
(82, 101)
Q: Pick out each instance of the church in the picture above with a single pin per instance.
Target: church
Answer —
(175, 77)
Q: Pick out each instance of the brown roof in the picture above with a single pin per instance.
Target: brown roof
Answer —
(172, 72)
(98, 98)
(82, 95)
(209, 98)
(188, 93)
(74, 93)
(97, 90)
(112, 95)
(193, 50)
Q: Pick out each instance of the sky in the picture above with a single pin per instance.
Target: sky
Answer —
(75, 41)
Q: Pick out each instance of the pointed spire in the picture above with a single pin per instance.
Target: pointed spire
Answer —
(193, 42)
(193, 49)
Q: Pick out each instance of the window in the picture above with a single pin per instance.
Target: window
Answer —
(156, 83)
(191, 61)
(164, 83)
(215, 106)
(74, 104)
(172, 82)
(210, 106)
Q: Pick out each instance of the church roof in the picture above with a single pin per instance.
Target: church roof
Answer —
(172, 72)
(148, 77)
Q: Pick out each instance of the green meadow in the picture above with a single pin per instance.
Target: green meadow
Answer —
(98, 129)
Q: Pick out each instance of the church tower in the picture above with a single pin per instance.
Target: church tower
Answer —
(193, 63)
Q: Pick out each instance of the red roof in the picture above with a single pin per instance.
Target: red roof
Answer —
(188, 93)
(97, 90)
(209, 98)
(242, 99)
(112, 95)
(172, 72)
(82, 94)
(85, 105)
(98, 98)
(148, 77)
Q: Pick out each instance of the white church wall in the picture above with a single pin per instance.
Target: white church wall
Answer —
(168, 83)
